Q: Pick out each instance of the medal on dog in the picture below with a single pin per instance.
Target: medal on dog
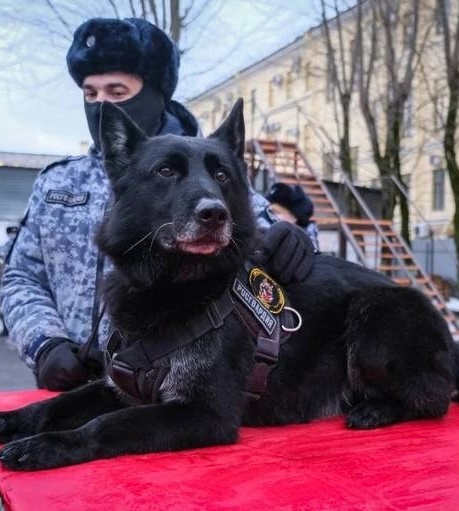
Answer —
(266, 290)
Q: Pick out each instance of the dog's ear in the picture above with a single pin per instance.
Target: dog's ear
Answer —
(232, 130)
(119, 136)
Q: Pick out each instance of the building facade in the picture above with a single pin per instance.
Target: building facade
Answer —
(289, 96)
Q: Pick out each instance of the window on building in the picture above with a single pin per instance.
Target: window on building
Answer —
(440, 6)
(355, 162)
(407, 128)
(328, 169)
(438, 198)
(307, 76)
(330, 82)
(297, 65)
(354, 61)
(253, 101)
(408, 29)
(378, 110)
(270, 94)
(439, 104)
(307, 137)
(289, 85)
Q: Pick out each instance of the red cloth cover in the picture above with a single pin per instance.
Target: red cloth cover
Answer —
(317, 466)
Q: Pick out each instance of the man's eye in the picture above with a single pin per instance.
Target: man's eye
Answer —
(221, 176)
(166, 172)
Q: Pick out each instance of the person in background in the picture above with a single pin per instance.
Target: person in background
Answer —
(50, 294)
(291, 204)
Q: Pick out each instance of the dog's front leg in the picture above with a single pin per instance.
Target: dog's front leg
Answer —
(66, 411)
(135, 430)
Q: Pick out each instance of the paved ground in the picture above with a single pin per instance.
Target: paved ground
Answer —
(14, 374)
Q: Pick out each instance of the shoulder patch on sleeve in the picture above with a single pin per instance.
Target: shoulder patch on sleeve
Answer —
(61, 162)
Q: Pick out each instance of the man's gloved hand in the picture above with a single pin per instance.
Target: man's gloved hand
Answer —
(287, 253)
(60, 368)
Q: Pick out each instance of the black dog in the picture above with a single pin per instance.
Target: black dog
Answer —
(183, 368)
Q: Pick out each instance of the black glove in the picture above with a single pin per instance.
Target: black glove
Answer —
(60, 368)
(287, 253)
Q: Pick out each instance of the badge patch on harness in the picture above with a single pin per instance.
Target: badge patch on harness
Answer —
(266, 290)
(67, 198)
(259, 311)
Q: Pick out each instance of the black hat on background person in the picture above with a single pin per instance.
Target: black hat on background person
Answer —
(294, 199)
(133, 49)
(131, 45)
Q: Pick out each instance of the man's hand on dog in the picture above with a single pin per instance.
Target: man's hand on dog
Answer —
(287, 253)
(60, 368)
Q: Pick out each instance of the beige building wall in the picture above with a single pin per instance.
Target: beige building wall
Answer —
(289, 98)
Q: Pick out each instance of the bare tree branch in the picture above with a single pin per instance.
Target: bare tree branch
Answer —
(59, 17)
(133, 9)
(115, 9)
(154, 11)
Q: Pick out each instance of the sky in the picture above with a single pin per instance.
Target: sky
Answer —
(41, 108)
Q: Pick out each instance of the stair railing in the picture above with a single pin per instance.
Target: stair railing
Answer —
(402, 190)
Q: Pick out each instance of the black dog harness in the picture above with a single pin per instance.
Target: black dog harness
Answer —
(140, 368)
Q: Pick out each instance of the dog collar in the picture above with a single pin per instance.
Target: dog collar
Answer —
(139, 366)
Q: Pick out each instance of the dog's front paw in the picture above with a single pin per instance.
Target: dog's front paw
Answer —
(9, 429)
(372, 414)
(46, 450)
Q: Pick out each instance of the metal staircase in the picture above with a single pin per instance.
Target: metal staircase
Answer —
(377, 245)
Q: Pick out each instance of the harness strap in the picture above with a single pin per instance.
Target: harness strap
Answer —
(140, 368)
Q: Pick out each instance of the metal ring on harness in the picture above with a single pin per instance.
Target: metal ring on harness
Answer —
(300, 320)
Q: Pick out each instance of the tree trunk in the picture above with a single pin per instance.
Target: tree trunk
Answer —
(351, 206)
(450, 156)
(387, 189)
(405, 218)
(176, 21)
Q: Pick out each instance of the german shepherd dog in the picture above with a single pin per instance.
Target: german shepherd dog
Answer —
(182, 362)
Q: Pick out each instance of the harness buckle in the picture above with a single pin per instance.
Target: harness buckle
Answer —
(214, 315)
(258, 380)
(124, 377)
(267, 350)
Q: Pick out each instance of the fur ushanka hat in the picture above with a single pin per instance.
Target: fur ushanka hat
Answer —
(131, 45)
(294, 199)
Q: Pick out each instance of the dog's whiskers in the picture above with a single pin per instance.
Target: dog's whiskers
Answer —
(233, 241)
(138, 242)
(156, 233)
(146, 236)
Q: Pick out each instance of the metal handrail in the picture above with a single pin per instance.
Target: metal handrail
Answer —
(402, 190)
(381, 233)
(344, 227)
(348, 232)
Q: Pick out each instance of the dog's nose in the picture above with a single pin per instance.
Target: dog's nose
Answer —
(211, 212)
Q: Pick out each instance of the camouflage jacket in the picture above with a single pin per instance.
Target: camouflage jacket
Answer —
(52, 280)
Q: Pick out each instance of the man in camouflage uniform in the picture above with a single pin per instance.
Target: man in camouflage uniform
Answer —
(50, 295)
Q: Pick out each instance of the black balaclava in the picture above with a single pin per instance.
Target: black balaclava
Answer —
(146, 109)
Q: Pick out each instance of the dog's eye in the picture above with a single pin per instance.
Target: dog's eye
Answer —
(166, 172)
(221, 176)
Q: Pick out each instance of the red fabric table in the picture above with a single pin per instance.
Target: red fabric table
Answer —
(317, 466)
